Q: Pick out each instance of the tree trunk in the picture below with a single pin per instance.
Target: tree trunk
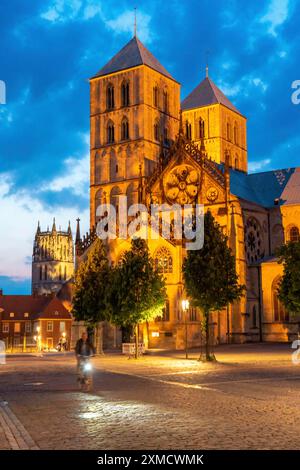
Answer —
(207, 349)
(136, 340)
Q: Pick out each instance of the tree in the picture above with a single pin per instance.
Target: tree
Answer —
(138, 291)
(92, 279)
(289, 287)
(210, 275)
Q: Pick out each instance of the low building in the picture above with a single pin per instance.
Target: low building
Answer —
(33, 322)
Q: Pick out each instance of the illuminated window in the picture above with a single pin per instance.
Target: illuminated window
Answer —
(49, 325)
(5, 328)
(28, 327)
(17, 327)
(163, 261)
(11, 315)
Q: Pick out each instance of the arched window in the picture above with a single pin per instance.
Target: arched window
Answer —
(236, 163)
(163, 261)
(65, 273)
(46, 273)
(280, 314)
(294, 234)
(228, 131)
(155, 96)
(165, 102)
(113, 166)
(110, 97)
(98, 202)
(235, 134)
(97, 168)
(188, 130)
(131, 194)
(59, 275)
(125, 94)
(254, 317)
(110, 132)
(125, 129)
(201, 129)
(41, 273)
(114, 196)
(156, 131)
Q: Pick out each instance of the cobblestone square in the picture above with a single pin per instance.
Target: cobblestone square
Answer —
(250, 399)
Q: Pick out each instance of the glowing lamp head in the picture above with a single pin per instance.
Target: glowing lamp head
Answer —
(185, 304)
(87, 367)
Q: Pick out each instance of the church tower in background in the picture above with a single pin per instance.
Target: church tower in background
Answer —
(53, 260)
(134, 110)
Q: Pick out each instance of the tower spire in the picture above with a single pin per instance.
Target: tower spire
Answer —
(206, 67)
(38, 230)
(54, 226)
(135, 22)
(77, 231)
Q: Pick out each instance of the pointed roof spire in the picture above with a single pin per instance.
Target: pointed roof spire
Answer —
(135, 28)
(133, 54)
(53, 226)
(38, 230)
(69, 228)
(77, 231)
(206, 68)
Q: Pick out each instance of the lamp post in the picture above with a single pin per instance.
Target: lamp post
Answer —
(38, 329)
(185, 306)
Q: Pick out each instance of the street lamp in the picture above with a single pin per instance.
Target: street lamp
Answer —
(185, 306)
(38, 329)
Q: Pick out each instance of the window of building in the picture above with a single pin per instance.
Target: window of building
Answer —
(166, 136)
(156, 131)
(11, 315)
(59, 276)
(49, 325)
(28, 327)
(65, 273)
(280, 314)
(125, 129)
(188, 130)
(5, 328)
(46, 273)
(201, 129)
(17, 327)
(163, 261)
(110, 97)
(155, 96)
(193, 313)
(110, 133)
(41, 273)
(236, 163)
(165, 102)
(62, 326)
(125, 94)
(294, 234)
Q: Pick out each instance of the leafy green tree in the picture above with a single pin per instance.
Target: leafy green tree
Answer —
(289, 287)
(138, 291)
(92, 281)
(210, 275)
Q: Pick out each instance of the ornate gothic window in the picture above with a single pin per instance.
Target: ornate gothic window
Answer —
(254, 243)
(201, 129)
(228, 131)
(110, 132)
(125, 94)
(294, 234)
(97, 168)
(110, 97)
(114, 196)
(163, 261)
(188, 130)
(155, 96)
(280, 314)
(125, 129)
(235, 134)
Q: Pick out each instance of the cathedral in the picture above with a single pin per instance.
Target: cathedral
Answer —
(148, 145)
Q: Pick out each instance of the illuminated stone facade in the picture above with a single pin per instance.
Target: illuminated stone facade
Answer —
(139, 141)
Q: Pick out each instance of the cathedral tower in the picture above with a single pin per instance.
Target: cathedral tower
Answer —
(209, 117)
(134, 105)
(53, 260)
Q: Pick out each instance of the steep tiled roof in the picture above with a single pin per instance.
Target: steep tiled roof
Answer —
(205, 94)
(35, 306)
(266, 187)
(132, 55)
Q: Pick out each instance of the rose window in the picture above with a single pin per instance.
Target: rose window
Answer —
(181, 185)
(254, 245)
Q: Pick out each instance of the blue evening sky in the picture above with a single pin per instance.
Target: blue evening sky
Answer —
(49, 48)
